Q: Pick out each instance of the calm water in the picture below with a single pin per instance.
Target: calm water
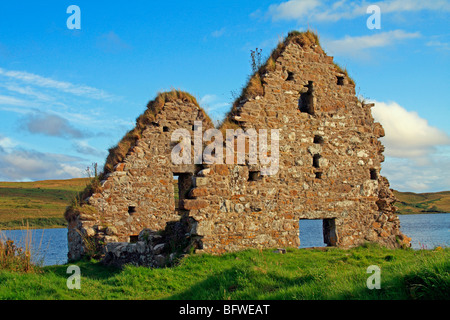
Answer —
(49, 246)
(426, 230)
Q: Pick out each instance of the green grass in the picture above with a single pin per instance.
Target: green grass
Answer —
(41, 203)
(251, 274)
(413, 203)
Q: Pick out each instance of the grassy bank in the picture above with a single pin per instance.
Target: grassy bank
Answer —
(413, 203)
(41, 203)
(252, 274)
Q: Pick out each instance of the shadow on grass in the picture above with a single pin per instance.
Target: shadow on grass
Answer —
(241, 283)
(89, 269)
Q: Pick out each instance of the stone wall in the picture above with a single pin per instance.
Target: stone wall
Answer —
(329, 169)
(139, 193)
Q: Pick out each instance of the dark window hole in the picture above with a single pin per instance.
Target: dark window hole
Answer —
(318, 139)
(316, 158)
(373, 174)
(254, 175)
(305, 103)
(290, 76)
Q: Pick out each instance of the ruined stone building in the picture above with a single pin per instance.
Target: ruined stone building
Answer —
(329, 167)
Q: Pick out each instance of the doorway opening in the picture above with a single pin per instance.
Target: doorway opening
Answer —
(317, 233)
(182, 184)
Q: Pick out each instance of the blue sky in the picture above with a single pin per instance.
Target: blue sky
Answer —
(66, 96)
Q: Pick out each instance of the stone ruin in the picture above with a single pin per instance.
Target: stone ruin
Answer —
(329, 168)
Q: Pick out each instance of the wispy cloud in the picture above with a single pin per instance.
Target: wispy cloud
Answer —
(405, 175)
(438, 44)
(354, 46)
(27, 91)
(111, 43)
(323, 11)
(218, 33)
(83, 147)
(214, 106)
(63, 86)
(71, 105)
(12, 101)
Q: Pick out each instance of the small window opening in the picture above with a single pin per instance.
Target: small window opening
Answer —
(316, 159)
(340, 80)
(290, 76)
(306, 101)
(165, 129)
(134, 238)
(131, 209)
(318, 175)
(193, 127)
(182, 184)
(254, 175)
(373, 174)
(318, 139)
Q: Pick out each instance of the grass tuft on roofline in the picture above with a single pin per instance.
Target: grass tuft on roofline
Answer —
(118, 153)
(255, 84)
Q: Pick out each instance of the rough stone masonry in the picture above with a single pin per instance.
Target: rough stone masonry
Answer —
(329, 169)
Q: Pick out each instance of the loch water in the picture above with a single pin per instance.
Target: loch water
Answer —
(49, 246)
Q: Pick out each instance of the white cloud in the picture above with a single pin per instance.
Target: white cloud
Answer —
(406, 175)
(214, 106)
(6, 144)
(26, 165)
(407, 134)
(355, 45)
(417, 154)
(318, 10)
(293, 9)
(63, 86)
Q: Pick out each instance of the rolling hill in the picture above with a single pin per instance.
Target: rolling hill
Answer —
(42, 203)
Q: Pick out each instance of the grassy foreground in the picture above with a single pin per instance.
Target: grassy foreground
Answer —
(299, 274)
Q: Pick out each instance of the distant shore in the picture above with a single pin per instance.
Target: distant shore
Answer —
(42, 203)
